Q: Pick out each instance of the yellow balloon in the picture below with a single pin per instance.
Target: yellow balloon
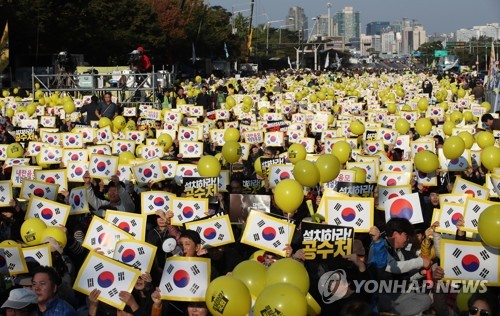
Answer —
(258, 167)
(124, 157)
(357, 128)
(402, 126)
(391, 108)
(263, 111)
(456, 116)
(69, 107)
(31, 108)
(486, 105)
(8, 242)
(258, 256)
(342, 150)
(231, 151)
(138, 150)
(485, 139)
(306, 173)
(328, 166)
(209, 166)
(253, 274)
(453, 147)
(104, 121)
(197, 79)
(282, 299)
(288, 195)
(313, 308)
(15, 150)
(230, 101)
(468, 116)
(490, 157)
(489, 226)
(232, 292)
(426, 161)
(119, 122)
(296, 152)
(448, 127)
(57, 233)
(288, 271)
(32, 231)
(360, 175)
(423, 126)
(232, 134)
(166, 141)
(467, 138)
(9, 112)
(423, 104)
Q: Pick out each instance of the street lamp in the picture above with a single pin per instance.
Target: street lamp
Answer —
(267, 36)
(329, 6)
(234, 30)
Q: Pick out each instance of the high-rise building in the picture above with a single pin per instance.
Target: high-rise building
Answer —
(296, 20)
(348, 24)
(376, 28)
(490, 30)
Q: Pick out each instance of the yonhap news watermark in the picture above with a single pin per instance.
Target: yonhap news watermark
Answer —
(333, 286)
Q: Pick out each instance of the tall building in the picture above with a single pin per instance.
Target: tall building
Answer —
(490, 30)
(348, 24)
(376, 28)
(296, 20)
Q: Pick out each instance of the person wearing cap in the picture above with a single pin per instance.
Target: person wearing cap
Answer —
(21, 302)
(144, 64)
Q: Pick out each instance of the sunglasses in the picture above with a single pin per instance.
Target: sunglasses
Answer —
(482, 312)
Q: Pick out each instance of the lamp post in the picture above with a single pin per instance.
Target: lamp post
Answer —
(267, 36)
(329, 6)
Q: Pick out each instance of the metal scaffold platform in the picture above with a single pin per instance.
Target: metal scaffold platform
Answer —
(127, 86)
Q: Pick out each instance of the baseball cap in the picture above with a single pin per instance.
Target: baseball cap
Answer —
(20, 298)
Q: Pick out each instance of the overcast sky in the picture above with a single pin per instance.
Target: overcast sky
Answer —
(442, 16)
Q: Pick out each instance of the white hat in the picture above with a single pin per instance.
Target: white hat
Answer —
(20, 298)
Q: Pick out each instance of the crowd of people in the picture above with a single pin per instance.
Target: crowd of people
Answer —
(392, 250)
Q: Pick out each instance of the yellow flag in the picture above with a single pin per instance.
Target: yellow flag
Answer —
(4, 48)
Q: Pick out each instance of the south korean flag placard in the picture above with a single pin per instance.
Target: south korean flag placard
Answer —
(449, 216)
(14, 259)
(54, 176)
(393, 178)
(103, 166)
(453, 198)
(137, 136)
(407, 206)
(214, 231)
(104, 235)
(107, 275)
(119, 146)
(153, 201)
(274, 139)
(267, 232)
(189, 134)
(10, 162)
(473, 209)
(78, 201)
(40, 253)
(397, 166)
(148, 172)
(74, 155)
(134, 224)
(72, 140)
(38, 188)
(152, 152)
(3, 151)
(52, 213)
(5, 193)
(185, 279)
(33, 149)
(76, 170)
(186, 170)
(129, 111)
(51, 155)
(124, 173)
(104, 135)
(191, 149)
(387, 135)
(278, 173)
(459, 164)
(135, 253)
(389, 192)
(350, 212)
(88, 133)
(465, 260)
(188, 209)
(475, 190)
(99, 149)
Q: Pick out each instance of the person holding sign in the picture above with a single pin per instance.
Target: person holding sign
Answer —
(393, 262)
(118, 196)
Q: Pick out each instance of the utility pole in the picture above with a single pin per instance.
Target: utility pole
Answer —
(249, 41)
